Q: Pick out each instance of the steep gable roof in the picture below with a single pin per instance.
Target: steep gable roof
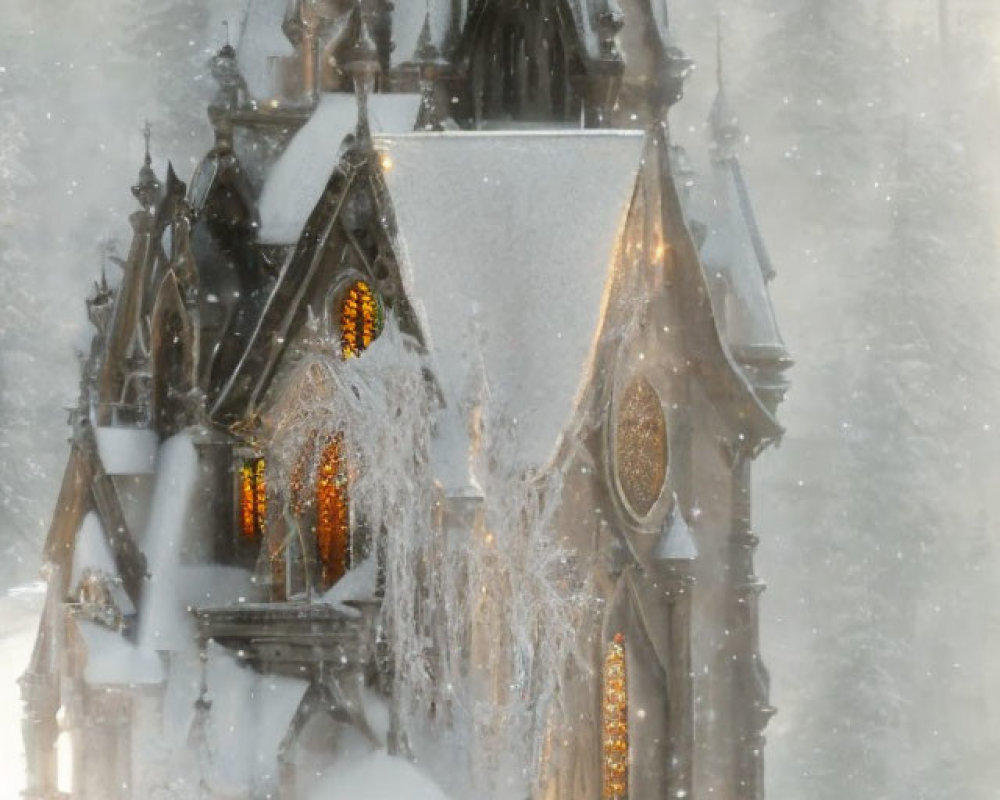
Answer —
(507, 245)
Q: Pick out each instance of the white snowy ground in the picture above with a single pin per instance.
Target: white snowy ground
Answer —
(19, 612)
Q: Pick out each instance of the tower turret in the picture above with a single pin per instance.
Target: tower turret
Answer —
(737, 258)
(147, 189)
(99, 304)
(359, 60)
(232, 87)
(301, 26)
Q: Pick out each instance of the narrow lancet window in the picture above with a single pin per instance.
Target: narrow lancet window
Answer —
(361, 319)
(614, 714)
(332, 513)
(253, 497)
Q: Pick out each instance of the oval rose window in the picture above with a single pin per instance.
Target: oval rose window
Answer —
(640, 446)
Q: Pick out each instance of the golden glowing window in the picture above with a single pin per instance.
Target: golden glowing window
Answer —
(253, 497)
(614, 717)
(332, 513)
(361, 319)
(640, 447)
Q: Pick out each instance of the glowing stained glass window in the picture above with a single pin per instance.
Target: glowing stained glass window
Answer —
(361, 319)
(332, 513)
(253, 497)
(614, 716)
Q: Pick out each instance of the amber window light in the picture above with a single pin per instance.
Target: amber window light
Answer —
(332, 513)
(253, 497)
(614, 717)
(361, 319)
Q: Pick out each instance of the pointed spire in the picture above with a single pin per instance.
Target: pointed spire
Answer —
(225, 70)
(428, 61)
(360, 61)
(361, 57)
(147, 189)
(723, 124)
(718, 51)
(426, 52)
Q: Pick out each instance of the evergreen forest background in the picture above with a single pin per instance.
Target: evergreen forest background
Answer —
(872, 130)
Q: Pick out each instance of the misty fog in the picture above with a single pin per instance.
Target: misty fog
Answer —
(871, 130)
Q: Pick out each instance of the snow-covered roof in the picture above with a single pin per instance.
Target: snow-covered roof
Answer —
(111, 659)
(732, 253)
(507, 245)
(251, 714)
(92, 551)
(375, 774)
(408, 21)
(164, 623)
(675, 542)
(127, 451)
(296, 182)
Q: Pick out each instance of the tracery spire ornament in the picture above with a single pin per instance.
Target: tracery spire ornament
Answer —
(147, 189)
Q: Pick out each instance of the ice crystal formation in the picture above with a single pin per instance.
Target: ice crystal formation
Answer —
(419, 429)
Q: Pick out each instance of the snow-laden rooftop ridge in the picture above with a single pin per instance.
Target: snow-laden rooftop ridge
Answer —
(507, 241)
(296, 182)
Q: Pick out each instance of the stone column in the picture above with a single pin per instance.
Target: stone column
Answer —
(102, 768)
(679, 586)
(751, 682)
(40, 730)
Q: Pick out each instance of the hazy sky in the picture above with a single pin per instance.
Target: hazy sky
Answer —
(887, 307)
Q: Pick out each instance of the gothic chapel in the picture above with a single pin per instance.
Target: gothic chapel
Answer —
(487, 188)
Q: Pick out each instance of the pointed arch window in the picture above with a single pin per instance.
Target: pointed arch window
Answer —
(521, 63)
(614, 718)
(333, 525)
(253, 497)
(361, 317)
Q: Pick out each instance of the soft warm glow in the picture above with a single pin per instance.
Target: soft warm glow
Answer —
(614, 715)
(332, 513)
(253, 497)
(386, 163)
(64, 763)
(360, 319)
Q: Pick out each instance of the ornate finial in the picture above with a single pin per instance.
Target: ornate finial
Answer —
(426, 52)
(725, 129)
(360, 61)
(718, 48)
(610, 20)
(361, 57)
(232, 91)
(147, 134)
(147, 189)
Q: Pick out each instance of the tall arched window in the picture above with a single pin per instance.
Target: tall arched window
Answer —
(333, 527)
(521, 63)
(253, 497)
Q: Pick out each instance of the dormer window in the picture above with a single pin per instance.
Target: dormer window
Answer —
(361, 317)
